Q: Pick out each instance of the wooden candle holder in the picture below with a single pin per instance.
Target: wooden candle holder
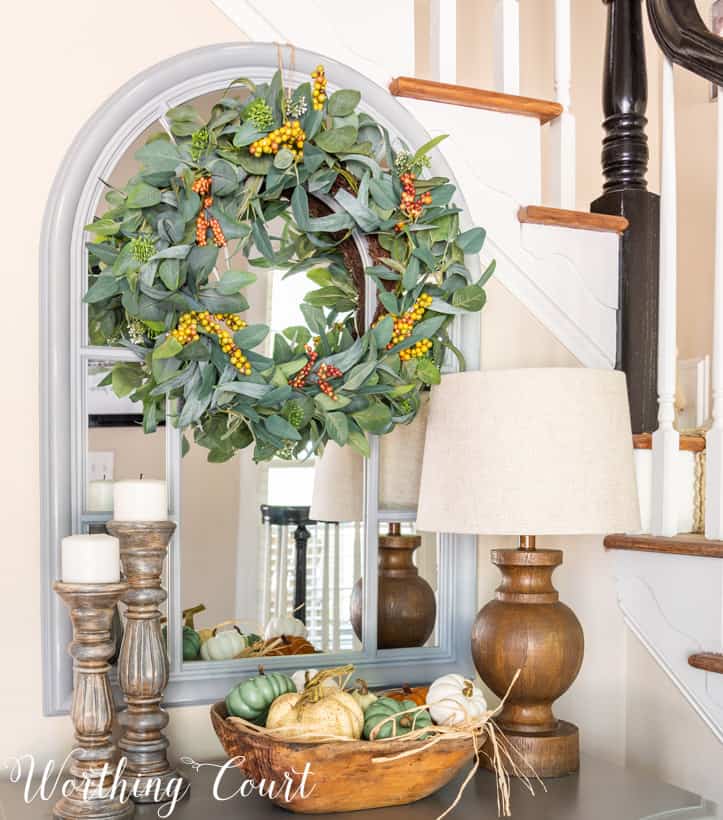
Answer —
(91, 611)
(143, 661)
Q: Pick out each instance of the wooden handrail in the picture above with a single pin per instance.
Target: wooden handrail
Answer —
(690, 444)
(708, 661)
(469, 97)
(685, 39)
(580, 220)
(694, 545)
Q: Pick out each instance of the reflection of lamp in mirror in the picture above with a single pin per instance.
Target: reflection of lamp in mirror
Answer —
(530, 452)
(407, 608)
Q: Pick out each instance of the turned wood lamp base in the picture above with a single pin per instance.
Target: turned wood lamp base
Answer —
(527, 628)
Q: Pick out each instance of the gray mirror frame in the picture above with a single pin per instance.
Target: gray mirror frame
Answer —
(72, 201)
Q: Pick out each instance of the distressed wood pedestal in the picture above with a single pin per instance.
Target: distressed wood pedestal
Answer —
(143, 662)
(91, 612)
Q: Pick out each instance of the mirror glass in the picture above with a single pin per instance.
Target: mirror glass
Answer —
(117, 447)
(252, 560)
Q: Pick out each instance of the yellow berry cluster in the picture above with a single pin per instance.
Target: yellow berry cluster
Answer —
(291, 135)
(421, 348)
(404, 324)
(318, 92)
(221, 325)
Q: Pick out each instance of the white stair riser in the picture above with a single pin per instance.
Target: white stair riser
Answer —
(674, 604)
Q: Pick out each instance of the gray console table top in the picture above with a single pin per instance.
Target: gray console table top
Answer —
(600, 791)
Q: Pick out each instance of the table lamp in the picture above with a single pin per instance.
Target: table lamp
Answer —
(526, 453)
(407, 607)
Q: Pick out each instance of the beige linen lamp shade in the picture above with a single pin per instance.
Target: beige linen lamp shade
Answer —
(529, 452)
(338, 493)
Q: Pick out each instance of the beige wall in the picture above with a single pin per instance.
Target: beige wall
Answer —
(72, 58)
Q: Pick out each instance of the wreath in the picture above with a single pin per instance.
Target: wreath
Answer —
(296, 180)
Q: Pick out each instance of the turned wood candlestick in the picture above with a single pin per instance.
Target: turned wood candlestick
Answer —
(143, 662)
(91, 612)
(526, 627)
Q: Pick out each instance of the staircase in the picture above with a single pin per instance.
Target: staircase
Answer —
(570, 270)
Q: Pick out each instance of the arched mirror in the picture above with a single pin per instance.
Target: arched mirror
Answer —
(317, 538)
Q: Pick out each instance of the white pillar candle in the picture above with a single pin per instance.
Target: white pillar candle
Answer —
(140, 500)
(100, 496)
(90, 559)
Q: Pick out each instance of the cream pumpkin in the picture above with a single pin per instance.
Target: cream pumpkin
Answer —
(302, 676)
(284, 625)
(454, 699)
(324, 712)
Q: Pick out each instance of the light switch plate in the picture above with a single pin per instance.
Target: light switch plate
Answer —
(100, 465)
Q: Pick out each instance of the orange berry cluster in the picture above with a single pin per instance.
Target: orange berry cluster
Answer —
(326, 372)
(421, 348)
(411, 205)
(221, 325)
(318, 92)
(299, 380)
(202, 186)
(291, 135)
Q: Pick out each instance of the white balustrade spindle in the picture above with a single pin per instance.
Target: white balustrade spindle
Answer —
(714, 445)
(666, 439)
(563, 127)
(507, 46)
(443, 40)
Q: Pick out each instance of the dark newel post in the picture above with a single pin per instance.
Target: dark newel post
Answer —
(301, 537)
(625, 164)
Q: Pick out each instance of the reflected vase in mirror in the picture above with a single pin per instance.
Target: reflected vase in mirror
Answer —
(407, 608)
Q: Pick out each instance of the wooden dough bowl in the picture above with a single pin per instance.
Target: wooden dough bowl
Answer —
(342, 775)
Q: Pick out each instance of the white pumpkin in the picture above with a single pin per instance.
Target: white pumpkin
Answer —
(302, 676)
(284, 625)
(453, 699)
(223, 646)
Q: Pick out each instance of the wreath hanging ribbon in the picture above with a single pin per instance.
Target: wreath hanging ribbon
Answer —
(290, 179)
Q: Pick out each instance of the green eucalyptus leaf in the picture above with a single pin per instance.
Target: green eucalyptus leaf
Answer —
(169, 348)
(233, 280)
(284, 159)
(174, 252)
(278, 426)
(376, 419)
(170, 272)
(487, 275)
(359, 442)
(343, 102)
(336, 140)
(142, 195)
(337, 426)
(428, 371)
(471, 298)
(251, 335)
(105, 286)
(159, 155)
(471, 241)
(103, 227)
(358, 375)
(125, 379)
(365, 218)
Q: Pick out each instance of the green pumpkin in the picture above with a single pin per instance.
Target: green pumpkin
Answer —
(252, 698)
(384, 708)
(191, 643)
